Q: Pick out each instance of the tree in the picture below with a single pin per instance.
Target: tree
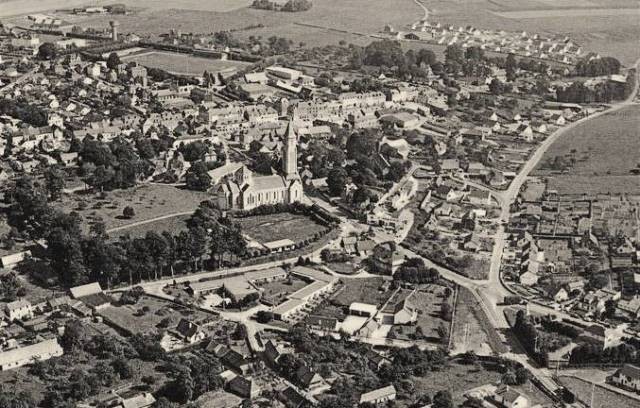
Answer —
(113, 61)
(454, 53)
(522, 375)
(128, 212)
(54, 182)
(75, 336)
(442, 399)
(337, 181)
(197, 177)
(264, 316)
(47, 51)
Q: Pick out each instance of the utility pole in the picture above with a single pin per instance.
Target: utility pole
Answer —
(593, 391)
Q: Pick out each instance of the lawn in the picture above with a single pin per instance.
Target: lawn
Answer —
(366, 290)
(604, 151)
(274, 227)
(149, 201)
(183, 63)
(603, 398)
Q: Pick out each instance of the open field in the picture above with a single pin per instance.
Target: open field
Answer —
(273, 227)
(603, 151)
(603, 398)
(17, 7)
(569, 12)
(149, 201)
(183, 63)
(196, 16)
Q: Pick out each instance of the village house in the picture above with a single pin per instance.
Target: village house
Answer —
(626, 377)
(18, 310)
(379, 396)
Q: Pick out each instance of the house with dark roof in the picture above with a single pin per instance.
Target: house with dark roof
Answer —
(243, 387)
(236, 361)
(309, 379)
(291, 398)
(190, 332)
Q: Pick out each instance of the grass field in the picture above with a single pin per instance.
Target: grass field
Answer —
(604, 150)
(366, 290)
(183, 63)
(268, 228)
(132, 318)
(281, 288)
(458, 378)
(173, 224)
(603, 398)
(148, 201)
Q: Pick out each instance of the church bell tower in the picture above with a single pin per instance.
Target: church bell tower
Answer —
(290, 153)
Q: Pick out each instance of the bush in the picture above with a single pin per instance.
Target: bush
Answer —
(128, 212)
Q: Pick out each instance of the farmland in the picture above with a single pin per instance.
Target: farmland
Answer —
(274, 227)
(183, 64)
(603, 153)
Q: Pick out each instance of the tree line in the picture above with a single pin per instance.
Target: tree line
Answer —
(76, 257)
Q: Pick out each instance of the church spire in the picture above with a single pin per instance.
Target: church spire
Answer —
(289, 151)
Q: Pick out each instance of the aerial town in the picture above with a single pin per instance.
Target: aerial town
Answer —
(209, 220)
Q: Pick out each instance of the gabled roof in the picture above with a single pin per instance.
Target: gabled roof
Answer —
(630, 371)
(85, 290)
(374, 395)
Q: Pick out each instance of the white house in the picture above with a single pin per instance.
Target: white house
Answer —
(627, 377)
(18, 310)
(379, 396)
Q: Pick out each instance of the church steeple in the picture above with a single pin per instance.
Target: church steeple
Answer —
(289, 151)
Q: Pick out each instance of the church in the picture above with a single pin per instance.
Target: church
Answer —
(242, 190)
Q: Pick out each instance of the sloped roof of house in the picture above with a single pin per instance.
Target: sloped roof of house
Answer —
(85, 290)
(50, 346)
(375, 395)
(139, 401)
(629, 370)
